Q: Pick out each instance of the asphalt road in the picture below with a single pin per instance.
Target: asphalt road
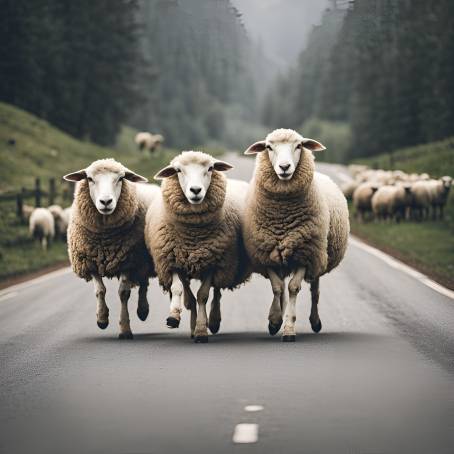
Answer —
(379, 378)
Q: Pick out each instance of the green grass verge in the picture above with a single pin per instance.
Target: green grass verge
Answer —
(41, 150)
(428, 246)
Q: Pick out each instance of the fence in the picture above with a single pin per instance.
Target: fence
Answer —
(38, 195)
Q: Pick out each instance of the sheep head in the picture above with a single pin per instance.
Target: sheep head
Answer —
(194, 170)
(105, 179)
(285, 148)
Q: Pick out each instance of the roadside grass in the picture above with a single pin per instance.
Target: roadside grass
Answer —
(41, 150)
(428, 245)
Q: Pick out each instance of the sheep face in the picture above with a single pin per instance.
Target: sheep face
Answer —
(285, 148)
(105, 179)
(194, 171)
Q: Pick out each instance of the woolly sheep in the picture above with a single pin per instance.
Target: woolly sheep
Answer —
(193, 232)
(296, 222)
(61, 224)
(421, 199)
(362, 199)
(348, 188)
(106, 235)
(390, 202)
(439, 193)
(27, 211)
(148, 141)
(42, 226)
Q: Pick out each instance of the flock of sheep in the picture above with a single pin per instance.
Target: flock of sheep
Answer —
(148, 141)
(47, 224)
(289, 224)
(396, 195)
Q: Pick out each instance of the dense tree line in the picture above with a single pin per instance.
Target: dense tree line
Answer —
(200, 81)
(71, 63)
(385, 67)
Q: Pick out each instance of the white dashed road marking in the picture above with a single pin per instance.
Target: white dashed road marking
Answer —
(253, 408)
(246, 433)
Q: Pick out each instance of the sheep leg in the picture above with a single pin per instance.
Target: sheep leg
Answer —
(176, 290)
(143, 307)
(275, 314)
(190, 303)
(124, 291)
(201, 332)
(294, 287)
(314, 318)
(214, 322)
(102, 311)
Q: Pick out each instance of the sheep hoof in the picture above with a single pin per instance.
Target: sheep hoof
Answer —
(273, 329)
(142, 313)
(127, 335)
(102, 325)
(317, 326)
(289, 338)
(173, 322)
(201, 339)
(214, 327)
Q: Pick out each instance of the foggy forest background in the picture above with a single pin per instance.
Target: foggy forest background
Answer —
(365, 77)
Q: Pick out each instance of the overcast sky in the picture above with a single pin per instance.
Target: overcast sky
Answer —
(281, 25)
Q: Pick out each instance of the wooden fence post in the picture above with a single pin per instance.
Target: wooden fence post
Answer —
(52, 191)
(20, 207)
(37, 192)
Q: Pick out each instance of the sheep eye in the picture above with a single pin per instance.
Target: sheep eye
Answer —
(268, 147)
(90, 179)
(178, 170)
(210, 169)
(121, 178)
(299, 146)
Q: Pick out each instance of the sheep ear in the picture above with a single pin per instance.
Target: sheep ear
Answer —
(165, 173)
(256, 147)
(222, 166)
(131, 176)
(76, 176)
(313, 145)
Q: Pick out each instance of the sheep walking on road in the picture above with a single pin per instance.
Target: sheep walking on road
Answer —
(295, 223)
(106, 235)
(194, 232)
(42, 226)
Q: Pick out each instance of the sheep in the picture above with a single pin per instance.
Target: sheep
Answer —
(106, 235)
(439, 193)
(362, 199)
(61, 224)
(296, 222)
(421, 199)
(348, 188)
(194, 232)
(391, 202)
(146, 140)
(27, 211)
(42, 226)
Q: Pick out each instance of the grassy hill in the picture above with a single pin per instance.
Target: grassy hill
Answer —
(30, 148)
(429, 245)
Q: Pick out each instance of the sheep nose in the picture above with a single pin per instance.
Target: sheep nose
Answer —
(284, 167)
(195, 189)
(106, 202)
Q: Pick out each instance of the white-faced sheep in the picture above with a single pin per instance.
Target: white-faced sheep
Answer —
(439, 193)
(391, 202)
(296, 222)
(148, 141)
(420, 199)
(42, 226)
(362, 199)
(106, 235)
(194, 232)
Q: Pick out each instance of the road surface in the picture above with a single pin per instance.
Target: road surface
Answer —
(379, 378)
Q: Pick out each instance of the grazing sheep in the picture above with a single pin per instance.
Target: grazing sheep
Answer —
(148, 141)
(61, 224)
(391, 202)
(42, 226)
(194, 232)
(106, 235)
(439, 194)
(296, 222)
(362, 199)
(27, 210)
(421, 199)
